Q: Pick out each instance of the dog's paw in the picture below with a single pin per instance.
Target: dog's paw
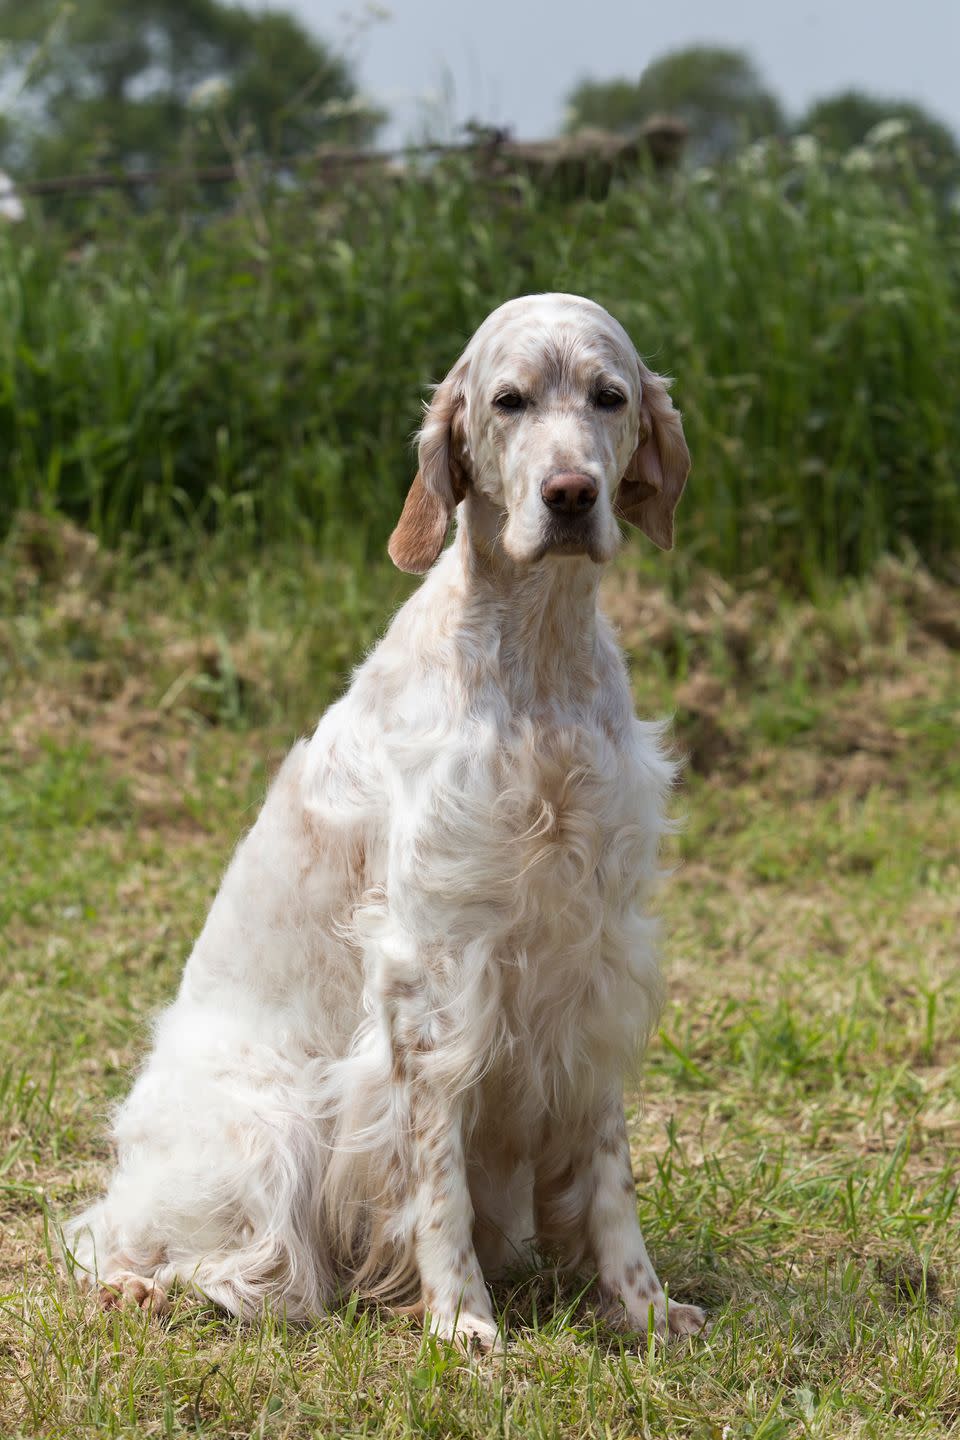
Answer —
(675, 1321)
(478, 1334)
(127, 1288)
(671, 1321)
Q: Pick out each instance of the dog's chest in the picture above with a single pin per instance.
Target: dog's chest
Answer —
(576, 840)
(565, 809)
(534, 834)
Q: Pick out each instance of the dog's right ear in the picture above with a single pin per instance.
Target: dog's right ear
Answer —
(440, 483)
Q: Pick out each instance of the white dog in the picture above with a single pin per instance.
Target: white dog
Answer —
(396, 1058)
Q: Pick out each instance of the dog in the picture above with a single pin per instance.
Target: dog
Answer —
(395, 1063)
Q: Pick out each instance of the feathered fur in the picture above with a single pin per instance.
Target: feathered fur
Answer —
(397, 1053)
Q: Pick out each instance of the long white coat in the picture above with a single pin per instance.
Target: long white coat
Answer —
(396, 1058)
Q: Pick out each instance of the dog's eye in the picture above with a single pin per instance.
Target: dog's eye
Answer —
(607, 398)
(509, 400)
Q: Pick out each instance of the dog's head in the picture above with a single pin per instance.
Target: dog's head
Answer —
(556, 427)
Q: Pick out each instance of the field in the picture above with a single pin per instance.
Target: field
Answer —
(204, 433)
(796, 1146)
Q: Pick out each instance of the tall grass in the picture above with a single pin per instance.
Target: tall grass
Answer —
(263, 372)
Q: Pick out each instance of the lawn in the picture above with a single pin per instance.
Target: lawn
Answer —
(796, 1147)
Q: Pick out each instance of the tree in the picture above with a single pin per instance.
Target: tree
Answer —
(846, 120)
(718, 93)
(142, 83)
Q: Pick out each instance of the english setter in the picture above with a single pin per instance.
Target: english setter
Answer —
(396, 1059)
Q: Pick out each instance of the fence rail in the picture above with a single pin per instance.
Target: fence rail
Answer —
(661, 140)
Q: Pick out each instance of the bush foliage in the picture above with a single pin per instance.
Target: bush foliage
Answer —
(263, 373)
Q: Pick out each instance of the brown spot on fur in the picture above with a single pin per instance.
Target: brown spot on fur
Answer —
(398, 1071)
(401, 990)
(646, 1287)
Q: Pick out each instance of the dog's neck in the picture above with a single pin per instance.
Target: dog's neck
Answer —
(538, 621)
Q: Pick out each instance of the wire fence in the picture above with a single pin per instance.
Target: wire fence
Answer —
(661, 144)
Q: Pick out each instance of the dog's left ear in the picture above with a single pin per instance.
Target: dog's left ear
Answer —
(440, 482)
(653, 482)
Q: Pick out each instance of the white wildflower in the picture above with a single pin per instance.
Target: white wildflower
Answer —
(209, 93)
(754, 158)
(11, 206)
(806, 149)
(886, 131)
(338, 108)
(859, 158)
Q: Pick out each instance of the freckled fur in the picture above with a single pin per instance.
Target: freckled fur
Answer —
(398, 1046)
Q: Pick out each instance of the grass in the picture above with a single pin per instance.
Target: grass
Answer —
(260, 374)
(796, 1153)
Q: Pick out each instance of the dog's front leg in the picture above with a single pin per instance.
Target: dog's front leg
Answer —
(587, 1209)
(454, 1294)
(416, 986)
(629, 1287)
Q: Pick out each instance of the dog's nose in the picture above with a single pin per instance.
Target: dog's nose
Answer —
(569, 493)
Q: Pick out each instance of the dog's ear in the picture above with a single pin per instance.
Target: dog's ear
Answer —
(440, 483)
(654, 479)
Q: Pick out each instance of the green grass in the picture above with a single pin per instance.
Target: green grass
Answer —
(796, 1153)
(261, 375)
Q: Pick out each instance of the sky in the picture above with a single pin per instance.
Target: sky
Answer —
(512, 62)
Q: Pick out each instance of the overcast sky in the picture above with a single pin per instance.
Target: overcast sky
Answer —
(512, 62)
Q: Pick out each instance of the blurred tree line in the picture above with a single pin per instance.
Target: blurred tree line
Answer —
(141, 84)
(722, 98)
(718, 93)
